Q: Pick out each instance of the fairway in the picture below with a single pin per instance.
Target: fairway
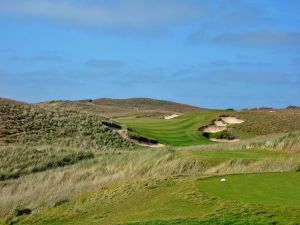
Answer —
(266, 188)
(180, 131)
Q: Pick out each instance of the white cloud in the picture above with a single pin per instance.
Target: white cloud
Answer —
(132, 14)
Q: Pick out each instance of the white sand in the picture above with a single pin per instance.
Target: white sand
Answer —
(168, 117)
(231, 120)
(220, 123)
(123, 134)
(213, 129)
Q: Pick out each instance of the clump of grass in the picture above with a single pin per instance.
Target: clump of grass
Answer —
(289, 142)
(16, 161)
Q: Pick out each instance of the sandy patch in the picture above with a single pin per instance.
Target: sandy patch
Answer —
(214, 129)
(168, 117)
(123, 134)
(231, 120)
(220, 123)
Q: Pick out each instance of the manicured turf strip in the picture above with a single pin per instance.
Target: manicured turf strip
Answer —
(265, 188)
(179, 131)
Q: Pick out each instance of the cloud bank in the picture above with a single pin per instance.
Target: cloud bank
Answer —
(134, 14)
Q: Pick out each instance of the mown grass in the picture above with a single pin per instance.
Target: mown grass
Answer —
(266, 188)
(179, 131)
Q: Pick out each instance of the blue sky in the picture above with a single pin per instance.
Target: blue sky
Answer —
(210, 53)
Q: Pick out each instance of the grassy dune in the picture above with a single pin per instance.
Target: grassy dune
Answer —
(22, 123)
(109, 107)
(180, 131)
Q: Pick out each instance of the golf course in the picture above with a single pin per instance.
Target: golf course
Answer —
(65, 166)
(150, 112)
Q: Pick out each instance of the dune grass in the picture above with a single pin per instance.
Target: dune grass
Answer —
(179, 131)
(266, 188)
(260, 122)
(16, 161)
(22, 123)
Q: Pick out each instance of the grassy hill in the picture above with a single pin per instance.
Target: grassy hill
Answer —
(108, 107)
(33, 139)
(24, 123)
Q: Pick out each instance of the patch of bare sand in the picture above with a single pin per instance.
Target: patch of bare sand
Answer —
(231, 120)
(123, 133)
(168, 117)
(214, 129)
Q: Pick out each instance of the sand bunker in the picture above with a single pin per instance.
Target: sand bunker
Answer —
(168, 117)
(124, 134)
(231, 120)
(220, 125)
(214, 129)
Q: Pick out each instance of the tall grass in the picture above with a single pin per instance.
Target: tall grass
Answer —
(289, 142)
(22, 123)
(16, 161)
(46, 188)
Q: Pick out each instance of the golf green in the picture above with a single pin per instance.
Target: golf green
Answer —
(282, 189)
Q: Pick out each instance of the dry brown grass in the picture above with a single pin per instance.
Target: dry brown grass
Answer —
(108, 107)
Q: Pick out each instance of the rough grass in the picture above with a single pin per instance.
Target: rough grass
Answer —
(289, 142)
(16, 161)
(260, 122)
(180, 131)
(141, 107)
(22, 123)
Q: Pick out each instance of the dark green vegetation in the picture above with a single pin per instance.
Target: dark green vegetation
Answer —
(220, 135)
(179, 131)
(63, 163)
